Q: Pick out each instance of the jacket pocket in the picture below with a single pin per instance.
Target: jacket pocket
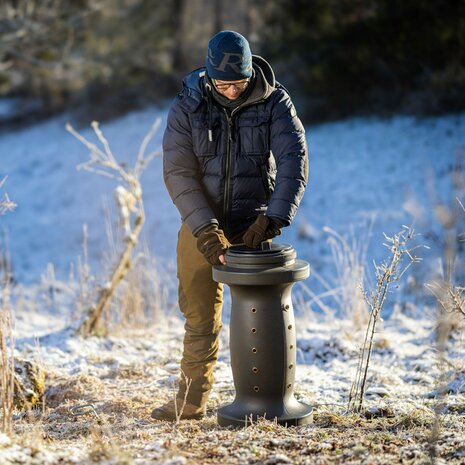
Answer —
(201, 142)
(254, 134)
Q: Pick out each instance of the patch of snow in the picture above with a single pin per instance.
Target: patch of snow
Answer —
(358, 168)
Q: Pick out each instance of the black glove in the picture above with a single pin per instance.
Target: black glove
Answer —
(262, 229)
(212, 243)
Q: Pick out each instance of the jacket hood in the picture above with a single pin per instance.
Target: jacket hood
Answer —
(262, 66)
(194, 92)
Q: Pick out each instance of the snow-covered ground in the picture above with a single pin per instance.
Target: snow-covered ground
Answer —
(367, 176)
(117, 380)
(361, 170)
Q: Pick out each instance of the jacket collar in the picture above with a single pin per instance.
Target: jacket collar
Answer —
(194, 92)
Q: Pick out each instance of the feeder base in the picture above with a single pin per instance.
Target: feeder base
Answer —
(234, 415)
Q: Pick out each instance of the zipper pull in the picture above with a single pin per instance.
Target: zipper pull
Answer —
(210, 135)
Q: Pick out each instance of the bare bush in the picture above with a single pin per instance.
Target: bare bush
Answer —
(449, 294)
(128, 196)
(387, 273)
(450, 297)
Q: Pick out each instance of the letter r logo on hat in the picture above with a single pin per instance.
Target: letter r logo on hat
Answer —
(229, 57)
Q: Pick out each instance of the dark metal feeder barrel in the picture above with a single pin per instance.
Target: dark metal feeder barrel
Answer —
(262, 334)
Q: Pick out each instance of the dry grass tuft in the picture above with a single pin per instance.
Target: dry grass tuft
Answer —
(416, 418)
(105, 450)
(328, 418)
(81, 387)
(449, 296)
(342, 297)
(7, 366)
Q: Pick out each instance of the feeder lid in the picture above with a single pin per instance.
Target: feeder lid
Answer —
(269, 264)
(267, 255)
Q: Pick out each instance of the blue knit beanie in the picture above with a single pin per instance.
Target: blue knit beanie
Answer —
(229, 57)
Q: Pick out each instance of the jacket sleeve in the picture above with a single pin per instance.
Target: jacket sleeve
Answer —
(181, 172)
(289, 148)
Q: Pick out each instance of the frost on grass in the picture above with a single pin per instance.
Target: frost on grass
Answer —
(100, 392)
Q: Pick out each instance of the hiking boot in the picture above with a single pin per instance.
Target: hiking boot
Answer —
(167, 411)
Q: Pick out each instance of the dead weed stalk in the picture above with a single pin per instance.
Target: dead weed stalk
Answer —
(5, 203)
(128, 196)
(187, 382)
(387, 273)
(7, 367)
(84, 276)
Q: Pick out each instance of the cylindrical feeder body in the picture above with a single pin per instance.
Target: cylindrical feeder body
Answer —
(262, 335)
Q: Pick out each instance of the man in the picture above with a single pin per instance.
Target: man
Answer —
(235, 165)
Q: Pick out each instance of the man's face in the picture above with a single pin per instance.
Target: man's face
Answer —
(231, 89)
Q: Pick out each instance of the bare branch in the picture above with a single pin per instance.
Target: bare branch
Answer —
(94, 150)
(106, 145)
(131, 208)
(141, 159)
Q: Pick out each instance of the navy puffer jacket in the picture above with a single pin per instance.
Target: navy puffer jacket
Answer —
(228, 167)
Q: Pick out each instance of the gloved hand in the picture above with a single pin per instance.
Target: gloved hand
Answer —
(262, 229)
(212, 243)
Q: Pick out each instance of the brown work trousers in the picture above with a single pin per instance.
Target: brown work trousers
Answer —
(200, 301)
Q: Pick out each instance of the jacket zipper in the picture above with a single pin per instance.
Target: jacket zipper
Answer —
(227, 173)
(227, 170)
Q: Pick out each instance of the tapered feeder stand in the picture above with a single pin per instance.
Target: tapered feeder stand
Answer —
(262, 334)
